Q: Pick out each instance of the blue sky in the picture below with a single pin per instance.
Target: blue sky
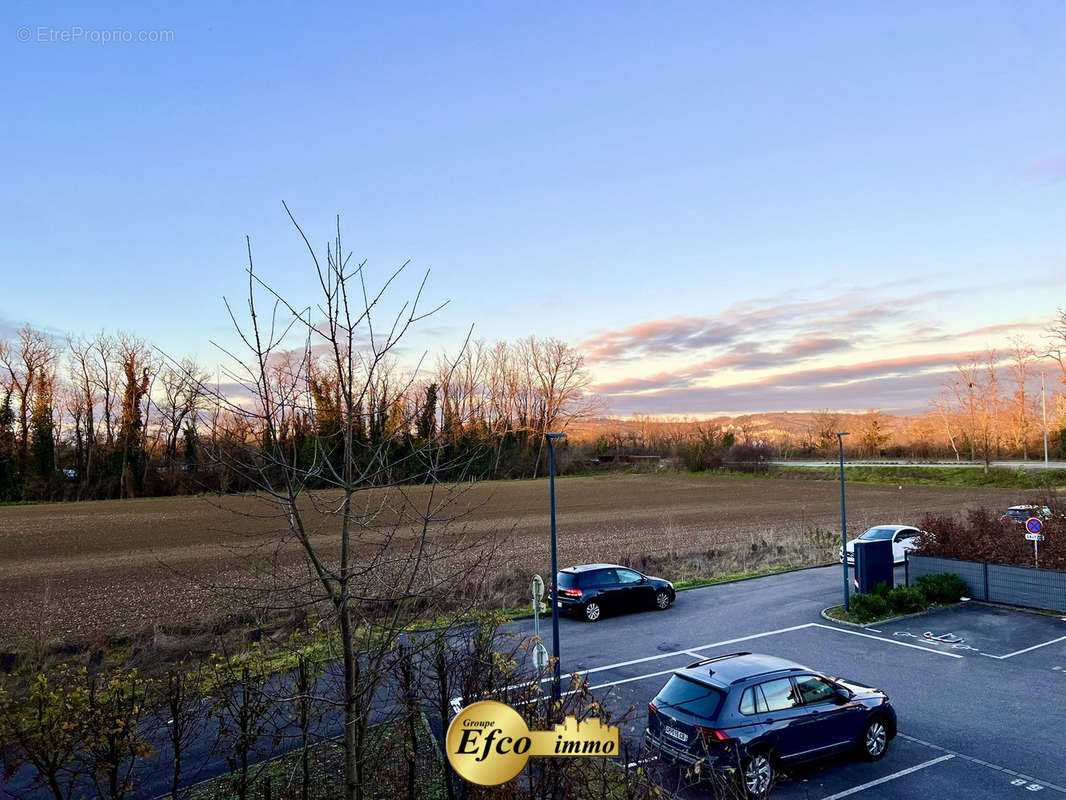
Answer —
(878, 178)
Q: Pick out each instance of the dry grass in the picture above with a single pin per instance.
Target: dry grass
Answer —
(71, 573)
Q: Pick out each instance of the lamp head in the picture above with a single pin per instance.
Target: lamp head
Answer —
(555, 435)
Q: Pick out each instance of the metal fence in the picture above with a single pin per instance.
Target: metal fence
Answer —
(997, 583)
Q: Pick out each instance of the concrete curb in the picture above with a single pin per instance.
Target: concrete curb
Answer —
(884, 621)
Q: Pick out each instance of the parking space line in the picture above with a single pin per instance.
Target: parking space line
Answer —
(883, 639)
(694, 652)
(887, 778)
(690, 652)
(973, 760)
(1026, 650)
(629, 680)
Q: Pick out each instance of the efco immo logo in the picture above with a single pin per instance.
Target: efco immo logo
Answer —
(488, 743)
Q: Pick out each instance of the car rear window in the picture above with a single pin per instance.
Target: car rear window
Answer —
(875, 534)
(568, 580)
(694, 698)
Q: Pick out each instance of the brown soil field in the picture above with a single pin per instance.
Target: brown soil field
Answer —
(87, 571)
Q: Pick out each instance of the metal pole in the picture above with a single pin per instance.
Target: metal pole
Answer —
(557, 671)
(844, 525)
(1043, 406)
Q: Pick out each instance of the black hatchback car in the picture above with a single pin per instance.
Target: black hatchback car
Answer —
(755, 713)
(592, 590)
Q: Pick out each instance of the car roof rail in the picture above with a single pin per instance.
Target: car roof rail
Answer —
(703, 661)
(777, 671)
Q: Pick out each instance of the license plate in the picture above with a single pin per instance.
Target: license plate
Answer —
(674, 733)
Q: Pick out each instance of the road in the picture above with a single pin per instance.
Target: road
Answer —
(909, 464)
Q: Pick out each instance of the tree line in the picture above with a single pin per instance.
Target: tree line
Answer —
(109, 416)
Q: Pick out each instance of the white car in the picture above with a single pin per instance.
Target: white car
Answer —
(903, 537)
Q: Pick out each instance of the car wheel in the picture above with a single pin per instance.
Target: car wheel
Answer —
(662, 600)
(874, 738)
(758, 775)
(592, 611)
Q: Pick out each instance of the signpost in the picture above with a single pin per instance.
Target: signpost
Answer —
(1034, 526)
(540, 652)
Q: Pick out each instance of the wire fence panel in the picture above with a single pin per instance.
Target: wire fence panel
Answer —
(1027, 586)
(973, 573)
(998, 583)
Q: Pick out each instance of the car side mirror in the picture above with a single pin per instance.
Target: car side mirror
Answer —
(844, 695)
(643, 579)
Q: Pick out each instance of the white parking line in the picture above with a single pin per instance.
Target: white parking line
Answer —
(694, 652)
(887, 778)
(989, 764)
(1026, 650)
(689, 652)
(883, 639)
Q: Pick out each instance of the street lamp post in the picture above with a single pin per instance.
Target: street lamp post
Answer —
(557, 672)
(843, 524)
(1043, 408)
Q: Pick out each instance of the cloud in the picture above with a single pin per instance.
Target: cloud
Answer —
(844, 316)
(898, 394)
(899, 384)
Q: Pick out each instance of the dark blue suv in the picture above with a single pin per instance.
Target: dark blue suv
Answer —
(755, 713)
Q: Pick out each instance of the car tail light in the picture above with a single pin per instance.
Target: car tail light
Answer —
(712, 734)
(571, 592)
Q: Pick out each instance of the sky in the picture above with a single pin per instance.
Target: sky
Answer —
(728, 207)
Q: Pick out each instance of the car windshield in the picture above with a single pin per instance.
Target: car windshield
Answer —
(694, 698)
(875, 534)
(1018, 513)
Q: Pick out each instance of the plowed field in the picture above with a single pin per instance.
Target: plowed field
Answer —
(103, 568)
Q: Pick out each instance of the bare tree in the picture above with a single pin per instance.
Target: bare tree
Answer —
(975, 389)
(379, 549)
(1056, 339)
(1022, 356)
(181, 402)
(24, 361)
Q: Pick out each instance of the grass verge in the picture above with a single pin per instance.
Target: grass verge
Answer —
(961, 477)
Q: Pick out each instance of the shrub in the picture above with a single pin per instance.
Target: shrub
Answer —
(880, 589)
(944, 587)
(868, 607)
(983, 536)
(906, 600)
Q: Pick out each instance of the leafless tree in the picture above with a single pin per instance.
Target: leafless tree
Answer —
(1056, 339)
(180, 404)
(975, 389)
(1022, 356)
(382, 541)
(25, 360)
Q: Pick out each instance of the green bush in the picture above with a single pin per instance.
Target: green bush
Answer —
(944, 587)
(868, 607)
(880, 589)
(906, 600)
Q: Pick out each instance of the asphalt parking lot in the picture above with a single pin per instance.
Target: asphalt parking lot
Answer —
(977, 688)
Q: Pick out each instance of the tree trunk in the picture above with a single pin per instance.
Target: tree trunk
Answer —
(353, 789)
